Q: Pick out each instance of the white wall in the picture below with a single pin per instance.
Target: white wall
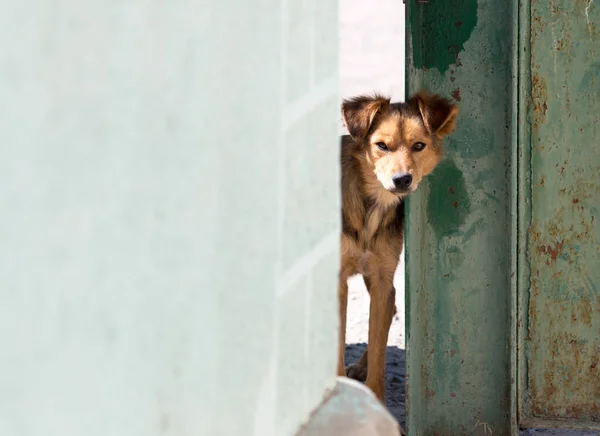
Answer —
(169, 182)
(372, 47)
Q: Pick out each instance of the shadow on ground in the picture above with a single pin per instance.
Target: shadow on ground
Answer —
(394, 377)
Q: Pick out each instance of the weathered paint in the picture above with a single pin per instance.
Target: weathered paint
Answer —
(458, 256)
(448, 26)
(560, 313)
(455, 201)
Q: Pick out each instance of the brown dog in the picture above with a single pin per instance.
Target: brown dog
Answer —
(390, 149)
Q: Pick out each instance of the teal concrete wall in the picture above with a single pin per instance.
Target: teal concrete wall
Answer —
(170, 216)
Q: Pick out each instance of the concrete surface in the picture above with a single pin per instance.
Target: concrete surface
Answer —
(350, 410)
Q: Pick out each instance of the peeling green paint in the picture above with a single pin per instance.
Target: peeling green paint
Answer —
(446, 26)
(448, 203)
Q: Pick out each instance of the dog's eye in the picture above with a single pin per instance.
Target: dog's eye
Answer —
(418, 146)
(382, 146)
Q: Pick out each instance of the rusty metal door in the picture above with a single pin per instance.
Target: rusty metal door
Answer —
(559, 265)
(503, 239)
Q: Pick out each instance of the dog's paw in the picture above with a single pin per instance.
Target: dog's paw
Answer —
(357, 372)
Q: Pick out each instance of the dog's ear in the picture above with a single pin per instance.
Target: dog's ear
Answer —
(438, 113)
(358, 114)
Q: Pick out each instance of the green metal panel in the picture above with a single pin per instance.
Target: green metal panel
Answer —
(459, 256)
(560, 266)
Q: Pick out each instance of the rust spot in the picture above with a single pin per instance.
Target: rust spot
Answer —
(453, 394)
(455, 204)
(559, 45)
(564, 393)
(539, 94)
(458, 23)
(451, 189)
(446, 275)
(538, 24)
(575, 200)
(429, 393)
(552, 252)
(452, 353)
(586, 312)
(549, 388)
(456, 94)
(452, 79)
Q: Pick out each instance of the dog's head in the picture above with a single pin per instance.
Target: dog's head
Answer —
(402, 142)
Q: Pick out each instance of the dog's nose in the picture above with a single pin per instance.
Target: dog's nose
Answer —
(402, 180)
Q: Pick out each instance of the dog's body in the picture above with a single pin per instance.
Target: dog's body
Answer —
(391, 147)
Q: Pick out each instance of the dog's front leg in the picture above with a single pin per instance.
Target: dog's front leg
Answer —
(343, 306)
(381, 312)
(358, 371)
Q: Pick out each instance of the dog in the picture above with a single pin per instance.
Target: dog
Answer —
(390, 148)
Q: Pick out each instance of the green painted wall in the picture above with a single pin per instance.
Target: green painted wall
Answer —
(170, 222)
(501, 245)
(459, 260)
